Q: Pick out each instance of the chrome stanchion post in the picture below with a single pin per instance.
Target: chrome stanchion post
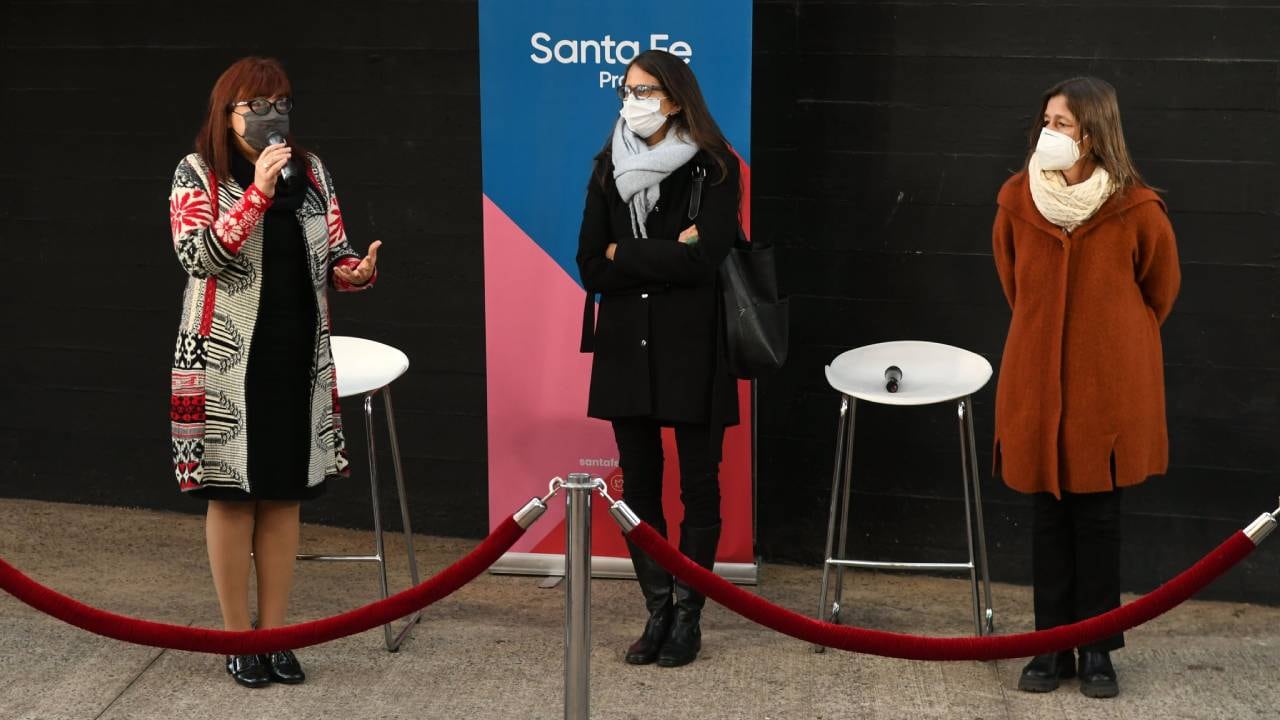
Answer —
(577, 607)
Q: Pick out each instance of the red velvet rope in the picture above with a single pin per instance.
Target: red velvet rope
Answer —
(915, 647)
(181, 637)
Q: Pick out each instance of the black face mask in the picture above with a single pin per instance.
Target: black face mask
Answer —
(258, 127)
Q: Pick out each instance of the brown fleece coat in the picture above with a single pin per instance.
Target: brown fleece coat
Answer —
(1082, 377)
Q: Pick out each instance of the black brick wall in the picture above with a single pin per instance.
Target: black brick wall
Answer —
(883, 132)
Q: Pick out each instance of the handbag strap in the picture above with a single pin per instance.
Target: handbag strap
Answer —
(588, 342)
(695, 194)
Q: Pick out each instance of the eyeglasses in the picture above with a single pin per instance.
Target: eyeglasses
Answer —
(643, 92)
(262, 106)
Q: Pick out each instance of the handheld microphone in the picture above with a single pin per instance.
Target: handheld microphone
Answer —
(288, 172)
(892, 376)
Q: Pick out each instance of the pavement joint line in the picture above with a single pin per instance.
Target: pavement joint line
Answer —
(997, 673)
(135, 679)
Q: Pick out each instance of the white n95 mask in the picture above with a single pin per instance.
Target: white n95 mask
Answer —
(1056, 151)
(643, 117)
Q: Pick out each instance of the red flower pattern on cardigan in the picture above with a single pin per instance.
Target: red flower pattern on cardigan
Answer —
(234, 227)
(337, 230)
(187, 211)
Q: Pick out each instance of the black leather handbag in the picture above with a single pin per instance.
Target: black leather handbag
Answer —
(757, 320)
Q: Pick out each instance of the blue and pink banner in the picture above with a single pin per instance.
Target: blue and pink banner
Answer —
(548, 74)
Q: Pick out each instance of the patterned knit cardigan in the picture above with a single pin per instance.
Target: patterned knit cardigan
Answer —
(222, 253)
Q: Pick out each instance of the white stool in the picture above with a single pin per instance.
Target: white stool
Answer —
(367, 368)
(931, 373)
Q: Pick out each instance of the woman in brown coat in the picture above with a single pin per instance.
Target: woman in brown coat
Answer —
(1087, 260)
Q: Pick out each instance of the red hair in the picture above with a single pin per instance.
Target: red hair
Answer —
(247, 78)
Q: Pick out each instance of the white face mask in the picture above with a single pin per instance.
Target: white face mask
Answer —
(1056, 151)
(643, 117)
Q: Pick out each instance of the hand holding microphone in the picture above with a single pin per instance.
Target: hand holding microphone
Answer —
(892, 377)
(288, 172)
(272, 164)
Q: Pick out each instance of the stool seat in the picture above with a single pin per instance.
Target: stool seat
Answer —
(931, 372)
(365, 365)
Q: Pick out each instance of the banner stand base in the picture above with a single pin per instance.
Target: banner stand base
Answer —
(545, 564)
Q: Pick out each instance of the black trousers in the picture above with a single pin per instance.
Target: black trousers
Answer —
(640, 455)
(1075, 557)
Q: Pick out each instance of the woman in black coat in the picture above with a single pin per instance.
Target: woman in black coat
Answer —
(657, 362)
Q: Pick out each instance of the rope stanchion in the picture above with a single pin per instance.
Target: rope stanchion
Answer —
(577, 593)
(181, 637)
(915, 647)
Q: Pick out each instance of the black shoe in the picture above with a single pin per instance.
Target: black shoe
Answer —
(1045, 672)
(1097, 675)
(685, 639)
(248, 670)
(645, 649)
(284, 667)
(655, 584)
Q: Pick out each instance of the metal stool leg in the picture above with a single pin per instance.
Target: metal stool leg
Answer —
(394, 439)
(831, 517)
(844, 510)
(962, 410)
(982, 620)
(391, 638)
(378, 542)
(990, 614)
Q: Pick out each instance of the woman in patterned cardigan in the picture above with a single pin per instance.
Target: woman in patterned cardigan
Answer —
(254, 413)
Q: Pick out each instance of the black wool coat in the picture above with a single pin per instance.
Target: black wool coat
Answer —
(655, 339)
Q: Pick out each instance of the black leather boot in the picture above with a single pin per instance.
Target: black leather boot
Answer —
(1045, 672)
(685, 639)
(248, 670)
(284, 667)
(1097, 675)
(655, 585)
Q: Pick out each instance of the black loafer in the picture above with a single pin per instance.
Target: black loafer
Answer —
(248, 670)
(1097, 675)
(284, 667)
(1045, 672)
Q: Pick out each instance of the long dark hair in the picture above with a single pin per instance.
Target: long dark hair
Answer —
(247, 78)
(694, 121)
(1093, 102)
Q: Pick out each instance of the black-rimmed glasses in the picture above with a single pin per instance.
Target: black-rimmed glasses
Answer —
(643, 92)
(262, 106)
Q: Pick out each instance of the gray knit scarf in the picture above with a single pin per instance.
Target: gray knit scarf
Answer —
(639, 168)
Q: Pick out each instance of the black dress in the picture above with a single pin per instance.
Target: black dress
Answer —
(278, 379)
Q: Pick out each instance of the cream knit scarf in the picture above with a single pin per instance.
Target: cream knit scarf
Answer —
(1067, 206)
